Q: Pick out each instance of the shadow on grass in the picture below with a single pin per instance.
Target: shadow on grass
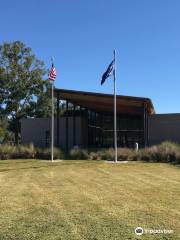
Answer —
(16, 161)
(24, 168)
(2, 163)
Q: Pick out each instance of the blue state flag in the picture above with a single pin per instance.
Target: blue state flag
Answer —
(108, 72)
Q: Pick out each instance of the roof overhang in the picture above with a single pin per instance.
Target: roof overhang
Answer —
(104, 102)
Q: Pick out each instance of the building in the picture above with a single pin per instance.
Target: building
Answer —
(163, 127)
(85, 119)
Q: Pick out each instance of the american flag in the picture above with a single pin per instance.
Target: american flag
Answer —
(52, 73)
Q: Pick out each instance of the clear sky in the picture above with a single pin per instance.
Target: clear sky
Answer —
(81, 35)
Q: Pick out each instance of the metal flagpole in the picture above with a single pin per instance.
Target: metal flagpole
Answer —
(115, 115)
(52, 122)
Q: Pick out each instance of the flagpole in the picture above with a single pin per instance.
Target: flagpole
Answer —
(52, 122)
(115, 114)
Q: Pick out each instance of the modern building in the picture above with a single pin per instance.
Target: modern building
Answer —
(163, 127)
(85, 119)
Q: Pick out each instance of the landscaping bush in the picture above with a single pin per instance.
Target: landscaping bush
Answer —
(165, 152)
(126, 154)
(108, 154)
(79, 154)
(170, 151)
(103, 154)
(6, 151)
(178, 158)
(15, 152)
(94, 156)
(24, 152)
(45, 153)
(28, 152)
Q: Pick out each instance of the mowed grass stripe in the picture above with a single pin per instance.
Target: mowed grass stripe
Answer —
(86, 200)
(72, 203)
(146, 195)
(35, 202)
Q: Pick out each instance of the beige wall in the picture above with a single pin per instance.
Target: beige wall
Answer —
(164, 127)
(34, 131)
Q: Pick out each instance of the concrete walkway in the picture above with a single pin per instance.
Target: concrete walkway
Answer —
(117, 162)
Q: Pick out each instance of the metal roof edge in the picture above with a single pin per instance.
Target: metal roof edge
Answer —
(144, 99)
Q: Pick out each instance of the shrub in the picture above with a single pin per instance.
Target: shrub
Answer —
(145, 154)
(93, 156)
(125, 154)
(178, 158)
(169, 151)
(6, 151)
(103, 154)
(108, 154)
(24, 151)
(79, 154)
(45, 153)
(165, 152)
(27, 152)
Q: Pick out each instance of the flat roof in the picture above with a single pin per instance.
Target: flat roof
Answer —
(104, 102)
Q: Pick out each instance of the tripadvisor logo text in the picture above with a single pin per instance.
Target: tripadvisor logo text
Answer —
(139, 231)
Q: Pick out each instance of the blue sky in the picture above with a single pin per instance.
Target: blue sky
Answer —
(82, 34)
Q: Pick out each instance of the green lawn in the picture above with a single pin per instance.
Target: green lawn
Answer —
(73, 200)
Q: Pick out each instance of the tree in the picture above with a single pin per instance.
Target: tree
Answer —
(24, 91)
(5, 134)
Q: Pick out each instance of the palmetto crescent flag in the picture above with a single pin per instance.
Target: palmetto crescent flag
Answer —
(52, 73)
(108, 72)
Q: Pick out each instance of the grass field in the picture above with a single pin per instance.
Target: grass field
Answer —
(74, 200)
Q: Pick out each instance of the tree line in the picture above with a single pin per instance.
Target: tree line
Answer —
(24, 89)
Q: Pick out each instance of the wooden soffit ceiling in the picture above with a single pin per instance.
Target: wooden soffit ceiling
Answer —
(105, 102)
